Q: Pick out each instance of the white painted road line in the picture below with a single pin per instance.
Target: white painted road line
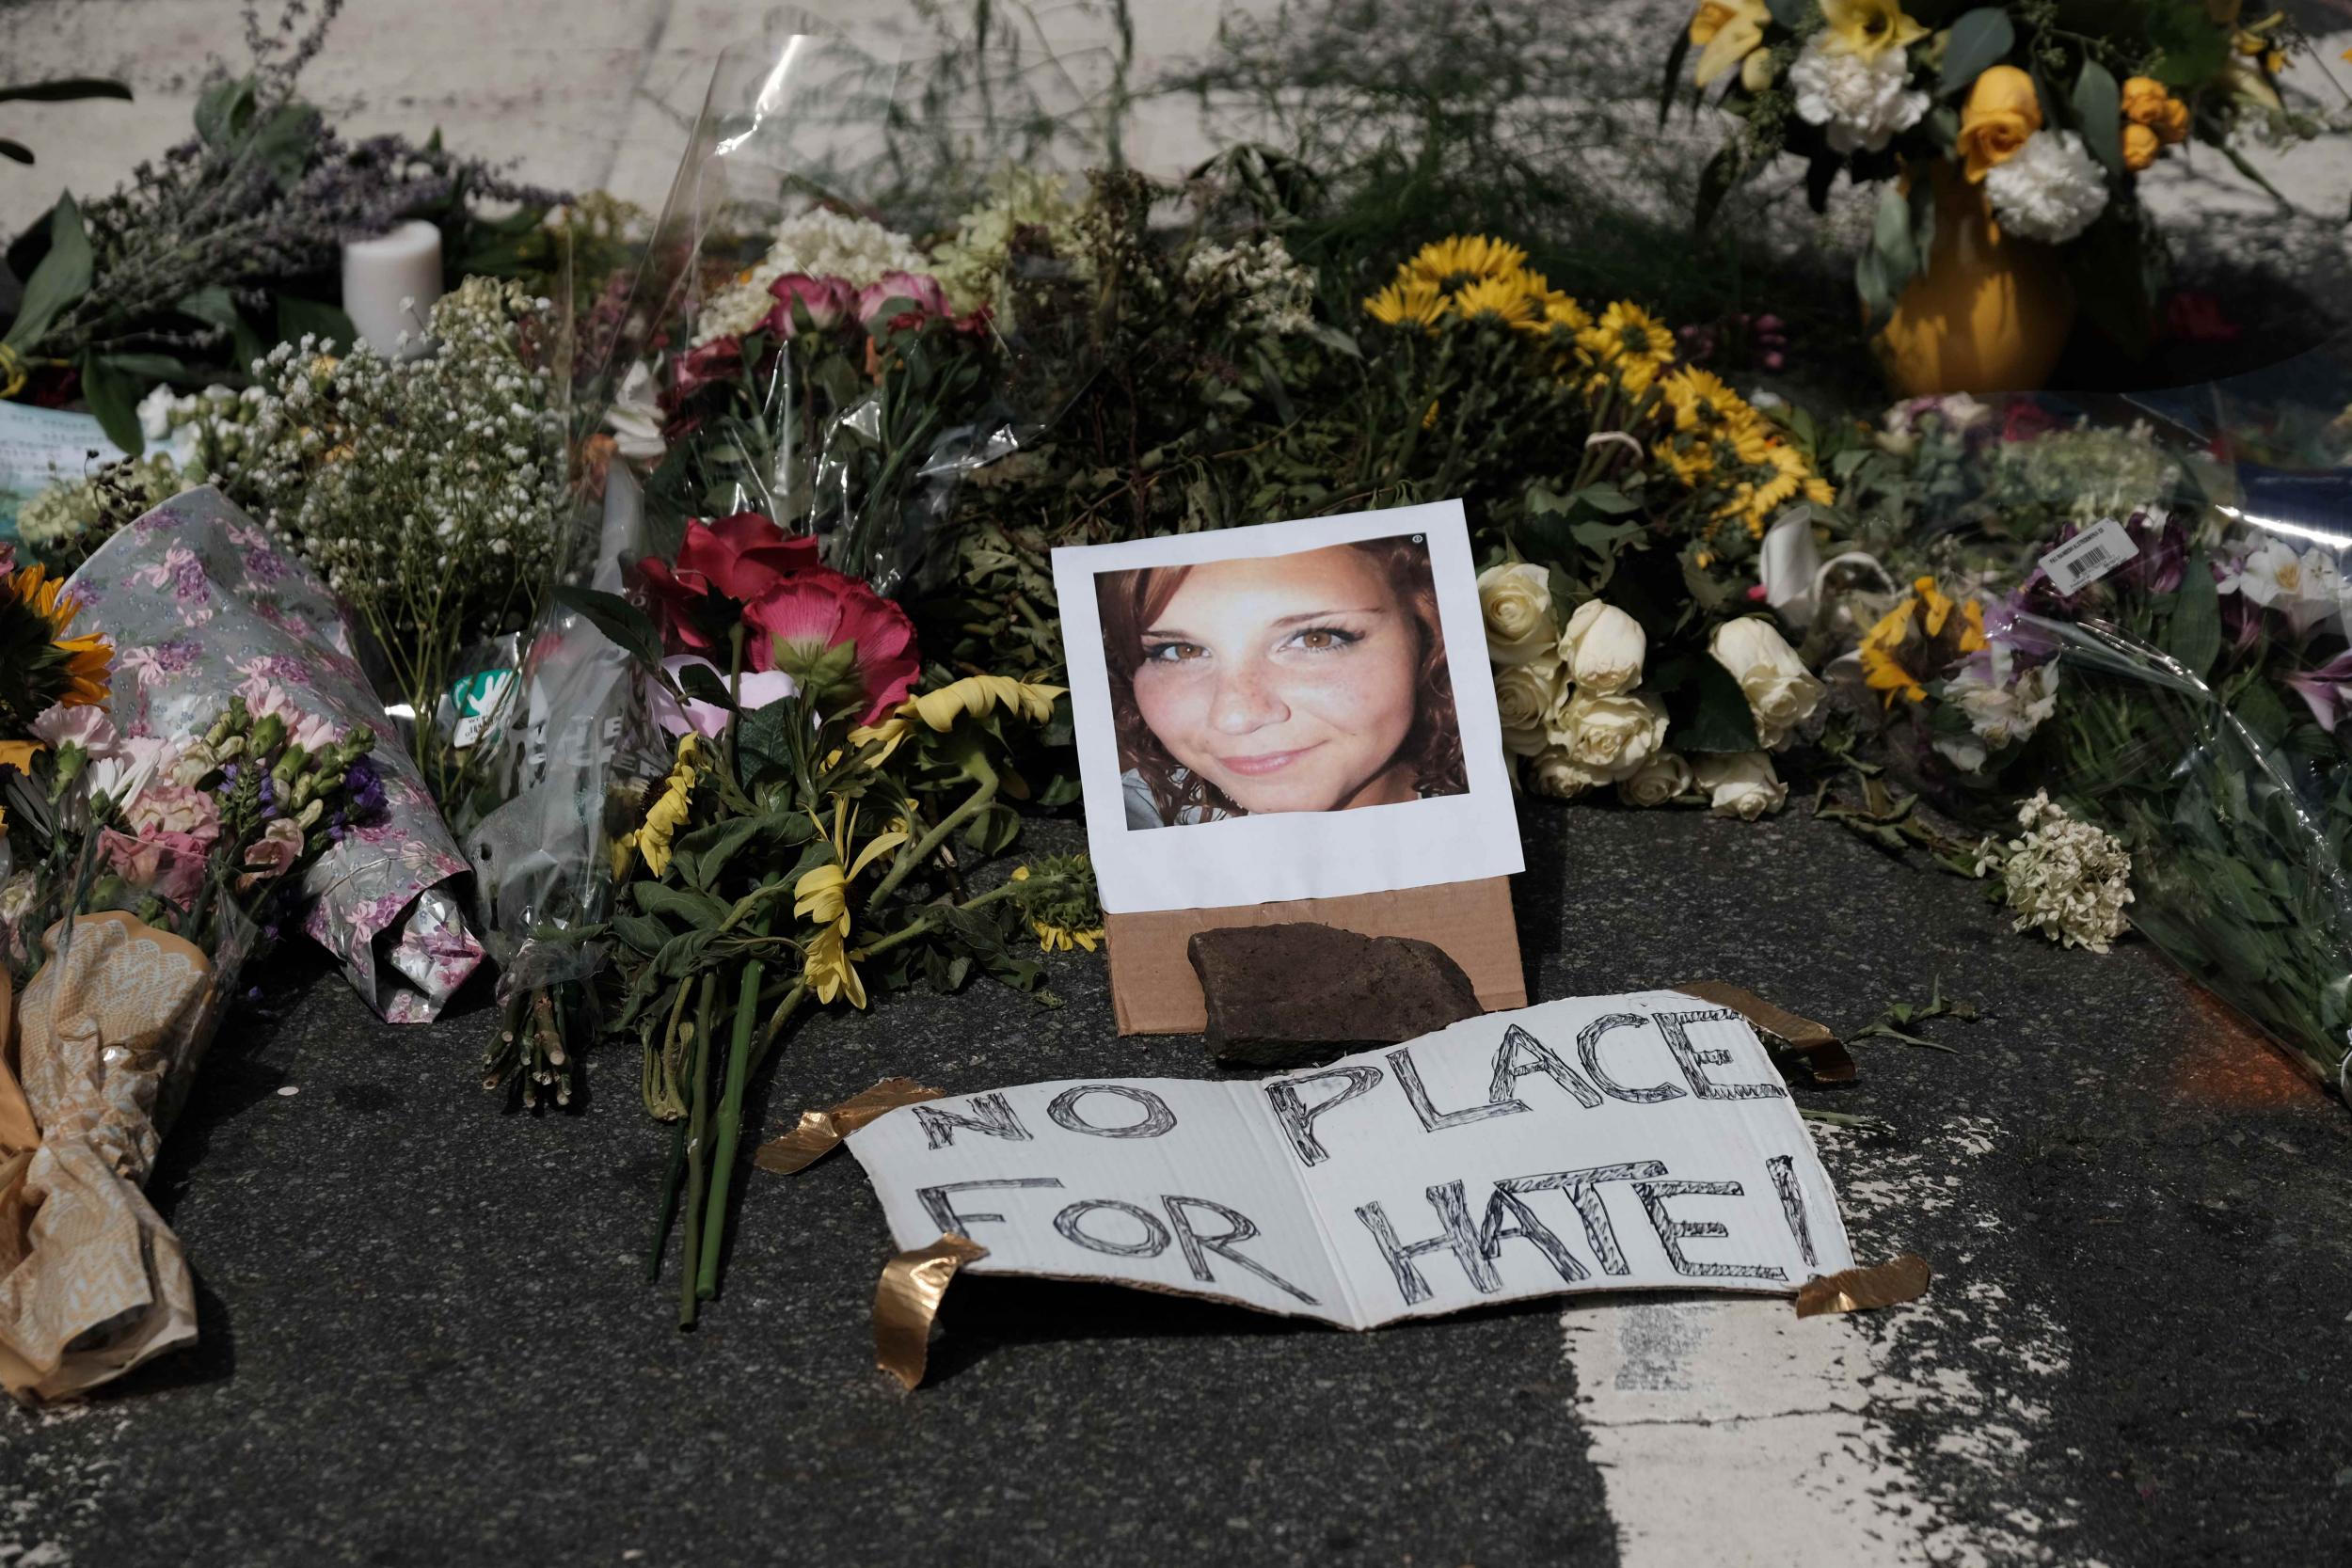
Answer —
(1730, 1433)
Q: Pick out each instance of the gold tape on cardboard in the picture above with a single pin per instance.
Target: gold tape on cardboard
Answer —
(820, 1132)
(906, 1302)
(1825, 1054)
(1889, 1284)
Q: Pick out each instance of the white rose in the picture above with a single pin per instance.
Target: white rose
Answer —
(1610, 735)
(1781, 693)
(1604, 647)
(1526, 696)
(1559, 774)
(1515, 600)
(1656, 782)
(1741, 784)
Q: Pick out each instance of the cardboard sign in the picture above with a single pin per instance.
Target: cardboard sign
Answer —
(1639, 1142)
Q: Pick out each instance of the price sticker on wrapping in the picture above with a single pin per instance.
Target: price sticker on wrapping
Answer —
(2089, 556)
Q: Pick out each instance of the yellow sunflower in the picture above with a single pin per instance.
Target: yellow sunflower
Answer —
(1920, 639)
(1701, 400)
(1458, 259)
(62, 670)
(1688, 459)
(1408, 302)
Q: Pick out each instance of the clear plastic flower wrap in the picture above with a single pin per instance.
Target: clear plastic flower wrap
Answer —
(571, 745)
(816, 367)
(2160, 643)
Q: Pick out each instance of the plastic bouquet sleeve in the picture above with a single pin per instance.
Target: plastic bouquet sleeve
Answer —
(845, 405)
(577, 740)
(204, 604)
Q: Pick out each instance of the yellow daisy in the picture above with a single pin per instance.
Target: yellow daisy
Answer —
(1499, 299)
(1408, 302)
(1457, 260)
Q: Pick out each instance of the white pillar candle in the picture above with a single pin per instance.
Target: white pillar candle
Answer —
(390, 282)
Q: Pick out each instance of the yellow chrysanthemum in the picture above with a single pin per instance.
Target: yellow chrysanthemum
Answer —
(1459, 259)
(1701, 400)
(1687, 460)
(1628, 332)
(1408, 302)
(1497, 299)
(1868, 28)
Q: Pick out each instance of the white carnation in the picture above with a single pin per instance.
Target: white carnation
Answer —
(820, 243)
(2050, 190)
(1859, 103)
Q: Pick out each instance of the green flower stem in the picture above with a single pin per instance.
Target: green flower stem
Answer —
(777, 1019)
(671, 1178)
(714, 1217)
(694, 1170)
(910, 859)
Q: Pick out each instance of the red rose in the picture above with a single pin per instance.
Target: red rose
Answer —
(742, 557)
(826, 300)
(794, 623)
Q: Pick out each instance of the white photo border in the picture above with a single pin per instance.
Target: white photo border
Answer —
(1290, 855)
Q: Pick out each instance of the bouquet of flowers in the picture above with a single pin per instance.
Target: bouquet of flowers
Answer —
(143, 870)
(2041, 114)
(812, 841)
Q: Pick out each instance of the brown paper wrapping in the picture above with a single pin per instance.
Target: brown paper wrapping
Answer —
(907, 1300)
(92, 1282)
(1889, 1284)
(820, 1132)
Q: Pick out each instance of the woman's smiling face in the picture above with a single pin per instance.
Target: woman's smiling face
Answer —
(1287, 682)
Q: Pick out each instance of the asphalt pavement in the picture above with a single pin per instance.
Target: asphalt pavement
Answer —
(426, 1338)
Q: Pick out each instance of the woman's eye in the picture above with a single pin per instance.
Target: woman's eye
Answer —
(1324, 638)
(1174, 653)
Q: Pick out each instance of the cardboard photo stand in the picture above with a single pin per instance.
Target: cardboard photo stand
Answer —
(1154, 991)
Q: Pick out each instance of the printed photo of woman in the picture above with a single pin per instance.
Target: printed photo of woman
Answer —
(1310, 682)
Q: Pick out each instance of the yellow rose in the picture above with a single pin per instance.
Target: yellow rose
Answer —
(2140, 147)
(2146, 102)
(1726, 33)
(2003, 109)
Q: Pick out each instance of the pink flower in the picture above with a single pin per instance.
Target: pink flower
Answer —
(87, 726)
(824, 300)
(2323, 689)
(755, 691)
(273, 854)
(170, 866)
(798, 620)
(311, 731)
(919, 290)
(741, 557)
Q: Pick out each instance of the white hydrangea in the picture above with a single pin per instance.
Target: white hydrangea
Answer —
(2050, 190)
(1861, 103)
(821, 244)
(2066, 879)
(971, 266)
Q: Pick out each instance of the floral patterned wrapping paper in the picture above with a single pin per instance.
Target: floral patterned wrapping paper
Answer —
(201, 604)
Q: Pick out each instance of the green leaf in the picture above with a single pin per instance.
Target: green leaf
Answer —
(2194, 636)
(62, 277)
(1706, 709)
(1869, 281)
(715, 846)
(1674, 59)
(704, 685)
(286, 141)
(223, 110)
(1717, 181)
(113, 394)
(2099, 108)
(1789, 13)
(698, 910)
(642, 932)
(1899, 254)
(992, 831)
(621, 621)
(1979, 39)
(66, 88)
(326, 322)
(1605, 497)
